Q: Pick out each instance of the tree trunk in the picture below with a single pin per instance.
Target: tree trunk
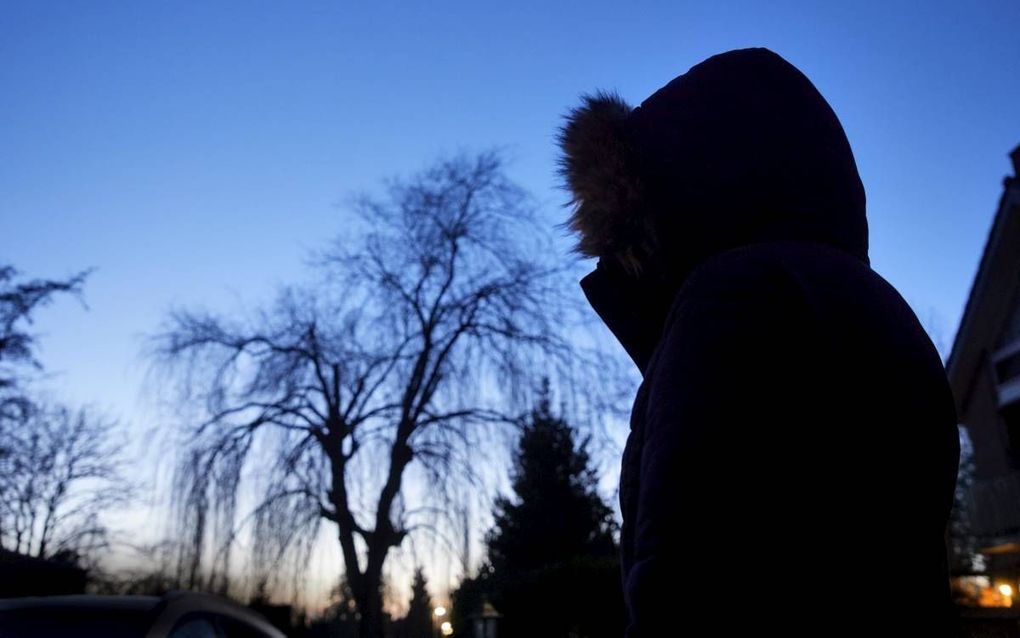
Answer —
(370, 598)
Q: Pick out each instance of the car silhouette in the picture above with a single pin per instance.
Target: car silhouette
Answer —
(175, 615)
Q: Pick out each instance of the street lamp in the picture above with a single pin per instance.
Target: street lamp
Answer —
(485, 622)
(438, 626)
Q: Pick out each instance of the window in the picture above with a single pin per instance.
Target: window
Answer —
(1010, 415)
(1008, 368)
(214, 625)
(195, 626)
(233, 628)
(1011, 330)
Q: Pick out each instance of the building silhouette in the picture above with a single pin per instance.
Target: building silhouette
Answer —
(984, 371)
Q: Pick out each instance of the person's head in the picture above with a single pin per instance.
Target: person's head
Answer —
(742, 148)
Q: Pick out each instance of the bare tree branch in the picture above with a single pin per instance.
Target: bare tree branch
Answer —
(60, 470)
(431, 322)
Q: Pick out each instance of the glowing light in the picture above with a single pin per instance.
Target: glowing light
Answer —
(439, 611)
(1006, 590)
(446, 628)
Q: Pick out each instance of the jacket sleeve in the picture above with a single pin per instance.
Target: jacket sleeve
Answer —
(730, 349)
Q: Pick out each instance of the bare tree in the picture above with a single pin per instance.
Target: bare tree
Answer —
(61, 470)
(58, 468)
(437, 313)
(18, 301)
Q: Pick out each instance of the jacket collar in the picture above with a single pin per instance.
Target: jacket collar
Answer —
(633, 308)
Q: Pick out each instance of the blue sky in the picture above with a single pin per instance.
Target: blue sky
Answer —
(193, 152)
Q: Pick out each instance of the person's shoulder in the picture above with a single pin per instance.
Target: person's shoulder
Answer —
(741, 310)
(750, 274)
(741, 295)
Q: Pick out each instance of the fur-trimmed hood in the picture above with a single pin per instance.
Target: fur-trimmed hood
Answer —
(741, 148)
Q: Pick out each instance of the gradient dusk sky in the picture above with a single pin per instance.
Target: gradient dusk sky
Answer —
(193, 152)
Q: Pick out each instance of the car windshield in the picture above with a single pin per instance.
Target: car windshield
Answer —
(65, 622)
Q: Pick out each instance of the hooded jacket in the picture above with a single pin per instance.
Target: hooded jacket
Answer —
(793, 447)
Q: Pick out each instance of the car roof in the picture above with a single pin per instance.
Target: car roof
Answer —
(81, 601)
(175, 602)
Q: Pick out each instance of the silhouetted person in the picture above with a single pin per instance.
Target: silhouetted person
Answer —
(793, 447)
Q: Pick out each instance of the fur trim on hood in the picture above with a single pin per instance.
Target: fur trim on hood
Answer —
(742, 148)
(598, 166)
